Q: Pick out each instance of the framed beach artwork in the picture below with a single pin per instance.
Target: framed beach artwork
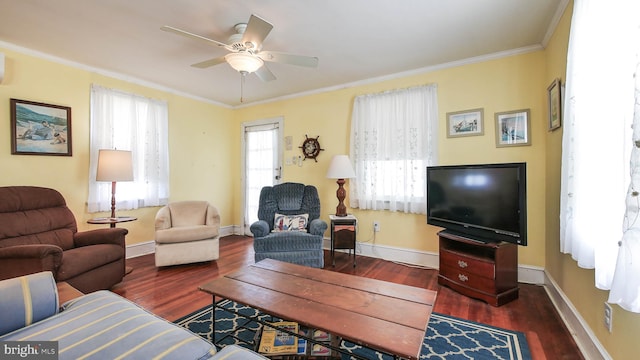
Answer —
(40, 129)
(513, 128)
(465, 123)
(554, 93)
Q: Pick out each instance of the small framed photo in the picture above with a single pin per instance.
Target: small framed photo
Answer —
(465, 123)
(554, 95)
(40, 129)
(513, 128)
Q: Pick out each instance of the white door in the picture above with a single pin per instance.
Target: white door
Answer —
(262, 163)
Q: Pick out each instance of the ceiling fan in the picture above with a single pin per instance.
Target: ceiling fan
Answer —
(245, 46)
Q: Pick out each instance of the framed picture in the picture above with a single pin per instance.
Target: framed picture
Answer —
(465, 123)
(554, 93)
(40, 129)
(513, 128)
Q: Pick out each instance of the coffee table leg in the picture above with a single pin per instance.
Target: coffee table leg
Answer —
(213, 320)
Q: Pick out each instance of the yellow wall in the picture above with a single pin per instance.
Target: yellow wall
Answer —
(576, 283)
(506, 84)
(199, 141)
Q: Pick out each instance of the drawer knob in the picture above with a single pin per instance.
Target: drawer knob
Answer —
(462, 264)
(463, 277)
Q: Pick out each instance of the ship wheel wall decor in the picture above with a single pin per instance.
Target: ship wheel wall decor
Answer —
(311, 148)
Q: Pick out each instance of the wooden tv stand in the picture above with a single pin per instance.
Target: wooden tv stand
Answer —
(485, 271)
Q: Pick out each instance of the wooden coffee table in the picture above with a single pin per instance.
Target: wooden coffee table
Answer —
(384, 316)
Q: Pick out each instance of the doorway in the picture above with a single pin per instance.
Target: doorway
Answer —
(262, 147)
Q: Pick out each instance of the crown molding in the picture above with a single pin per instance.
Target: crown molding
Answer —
(115, 75)
(419, 71)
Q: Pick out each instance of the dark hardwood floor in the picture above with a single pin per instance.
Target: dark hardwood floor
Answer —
(172, 292)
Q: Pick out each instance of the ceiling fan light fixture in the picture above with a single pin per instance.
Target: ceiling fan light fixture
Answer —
(244, 62)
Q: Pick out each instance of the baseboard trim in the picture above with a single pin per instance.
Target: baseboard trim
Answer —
(139, 249)
(395, 254)
(229, 230)
(586, 340)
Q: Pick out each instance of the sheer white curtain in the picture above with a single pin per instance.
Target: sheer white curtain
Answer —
(597, 144)
(125, 121)
(393, 139)
(625, 288)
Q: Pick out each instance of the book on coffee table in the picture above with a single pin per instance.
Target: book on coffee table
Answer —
(302, 343)
(320, 335)
(320, 350)
(274, 341)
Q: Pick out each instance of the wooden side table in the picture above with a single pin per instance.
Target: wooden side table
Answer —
(67, 292)
(343, 235)
(111, 221)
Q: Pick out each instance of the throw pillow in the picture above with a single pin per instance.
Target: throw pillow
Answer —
(290, 222)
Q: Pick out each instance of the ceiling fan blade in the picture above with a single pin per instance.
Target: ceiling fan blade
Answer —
(290, 59)
(192, 36)
(257, 30)
(265, 74)
(209, 63)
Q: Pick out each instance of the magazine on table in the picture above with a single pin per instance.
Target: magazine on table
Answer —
(274, 341)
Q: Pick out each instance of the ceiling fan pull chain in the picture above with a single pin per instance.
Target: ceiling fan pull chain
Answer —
(242, 76)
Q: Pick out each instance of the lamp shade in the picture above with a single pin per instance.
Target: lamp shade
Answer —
(340, 168)
(244, 62)
(114, 165)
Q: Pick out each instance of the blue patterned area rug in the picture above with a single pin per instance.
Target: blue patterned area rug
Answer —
(446, 338)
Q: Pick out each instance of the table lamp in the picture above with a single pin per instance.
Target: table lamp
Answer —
(340, 168)
(114, 166)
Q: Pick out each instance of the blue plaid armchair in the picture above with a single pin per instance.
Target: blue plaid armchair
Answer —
(289, 226)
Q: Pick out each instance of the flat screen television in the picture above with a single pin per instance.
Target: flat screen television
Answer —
(486, 202)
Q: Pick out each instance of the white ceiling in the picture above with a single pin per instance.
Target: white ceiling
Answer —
(355, 40)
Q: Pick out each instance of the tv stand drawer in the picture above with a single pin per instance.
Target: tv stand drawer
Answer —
(460, 262)
(469, 279)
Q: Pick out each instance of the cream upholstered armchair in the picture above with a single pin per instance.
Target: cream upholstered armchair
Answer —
(187, 232)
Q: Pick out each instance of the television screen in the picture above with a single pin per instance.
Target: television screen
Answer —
(483, 202)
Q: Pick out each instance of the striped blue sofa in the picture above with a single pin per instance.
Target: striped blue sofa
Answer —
(100, 325)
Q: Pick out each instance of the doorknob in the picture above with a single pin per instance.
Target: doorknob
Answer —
(278, 172)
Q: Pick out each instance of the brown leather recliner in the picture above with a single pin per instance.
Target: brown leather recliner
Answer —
(38, 232)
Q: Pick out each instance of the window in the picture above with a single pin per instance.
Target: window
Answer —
(393, 140)
(124, 121)
(598, 142)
